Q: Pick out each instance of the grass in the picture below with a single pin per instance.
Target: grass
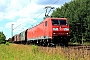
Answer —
(86, 43)
(25, 52)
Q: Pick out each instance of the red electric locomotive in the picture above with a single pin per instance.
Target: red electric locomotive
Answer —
(51, 30)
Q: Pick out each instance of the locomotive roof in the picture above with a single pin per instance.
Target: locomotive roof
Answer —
(46, 19)
(56, 18)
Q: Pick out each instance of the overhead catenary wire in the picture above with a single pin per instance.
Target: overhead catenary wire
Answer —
(37, 13)
(16, 26)
(43, 10)
(51, 5)
(55, 2)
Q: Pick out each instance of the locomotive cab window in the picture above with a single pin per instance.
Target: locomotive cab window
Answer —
(58, 22)
(46, 23)
(62, 22)
(55, 22)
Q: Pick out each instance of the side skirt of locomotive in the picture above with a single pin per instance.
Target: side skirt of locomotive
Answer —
(46, 41)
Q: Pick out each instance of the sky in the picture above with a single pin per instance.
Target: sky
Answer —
(23, 14)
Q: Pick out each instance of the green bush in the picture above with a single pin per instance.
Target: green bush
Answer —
(7, 43)
(2, 38)
(34, 49)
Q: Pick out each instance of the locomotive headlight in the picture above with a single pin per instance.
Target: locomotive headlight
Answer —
(67, 33)
(54, 33)
(55, 29)
(66, 29)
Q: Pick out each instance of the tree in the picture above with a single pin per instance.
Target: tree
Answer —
(2, 37)
(78, 14)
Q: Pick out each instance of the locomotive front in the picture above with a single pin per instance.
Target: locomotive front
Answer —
(60, 30)
(60, 27)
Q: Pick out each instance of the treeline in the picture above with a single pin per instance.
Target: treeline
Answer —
(78, 14)
(2, 38)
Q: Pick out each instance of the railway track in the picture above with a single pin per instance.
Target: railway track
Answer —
(69, 48)
(77, 46)
(80, 47)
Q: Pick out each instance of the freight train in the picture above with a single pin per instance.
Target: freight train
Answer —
(49, 31)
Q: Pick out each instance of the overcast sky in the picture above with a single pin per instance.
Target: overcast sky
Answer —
(23, 13)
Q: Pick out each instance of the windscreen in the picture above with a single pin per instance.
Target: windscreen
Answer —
(58, 22)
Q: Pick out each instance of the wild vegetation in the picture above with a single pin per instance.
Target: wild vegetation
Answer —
(70, 53)
(32, 52)
(25, 52)
(78, 14)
